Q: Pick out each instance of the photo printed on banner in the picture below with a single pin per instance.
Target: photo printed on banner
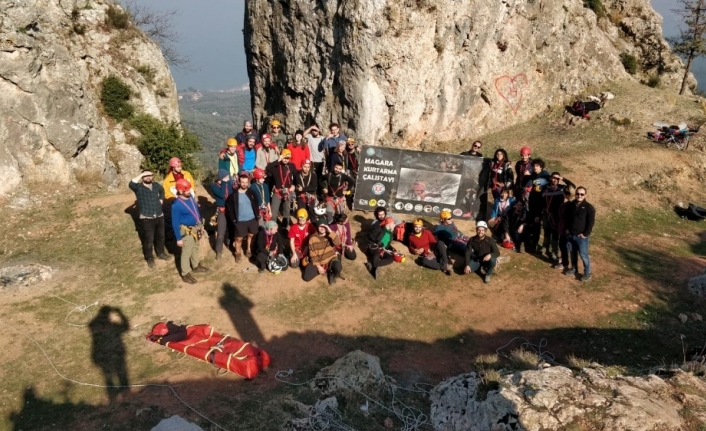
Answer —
(428, 186)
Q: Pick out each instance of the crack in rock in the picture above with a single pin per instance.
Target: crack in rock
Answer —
(15, 84)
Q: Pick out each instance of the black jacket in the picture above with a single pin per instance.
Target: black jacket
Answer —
(309, 184)
(336, 185)
(580, 218)
(232, 205)
(277, 244)
(476, 249)
(376, 234)
(282, 174)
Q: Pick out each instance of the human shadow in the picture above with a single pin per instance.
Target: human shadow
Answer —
(108, 350)
(238, 307)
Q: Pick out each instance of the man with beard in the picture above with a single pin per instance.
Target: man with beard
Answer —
(329, 144)
(221, 189)
(243, 212)
(423, 244)
(175, 174)
(247, 132)
(281, 173)
(247, 155)
(266, 154)
(338, 156)
(313, 139)
(306, 183)
(334, 186)
(323, 257)
(553, 198)
(150, 196)
(523, 169)
(580, 218)
(188, 230)
(481, 252)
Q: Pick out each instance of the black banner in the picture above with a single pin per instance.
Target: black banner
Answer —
(417, 182)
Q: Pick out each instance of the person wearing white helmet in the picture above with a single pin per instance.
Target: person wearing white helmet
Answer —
(481, 252)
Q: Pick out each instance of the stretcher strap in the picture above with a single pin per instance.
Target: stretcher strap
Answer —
(210, 334)
(234, 355)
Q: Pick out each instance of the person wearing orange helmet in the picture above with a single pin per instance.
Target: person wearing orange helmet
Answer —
(187, 225)
(267, 153)
(279, 138)
(306, 184)
(228, 158)
(174, 174)
(423, 243)
(262, 193)
(449, 237)
(380, 249)
(281, 172)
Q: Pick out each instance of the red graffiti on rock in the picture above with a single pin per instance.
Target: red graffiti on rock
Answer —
(510, 89)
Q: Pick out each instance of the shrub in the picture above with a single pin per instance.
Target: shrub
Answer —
(147, 72)
(117, 18)
(115, 96)
(654, 81)
(161, 141)
(596, 6)
(629, 63)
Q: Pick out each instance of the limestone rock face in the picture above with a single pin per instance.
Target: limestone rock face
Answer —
(51, 125)
(408, 71)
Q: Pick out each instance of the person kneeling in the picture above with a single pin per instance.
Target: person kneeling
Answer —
(422, 243)
(270, 249)
(379, 246)
(343, 230)
(323, 258)
(481, 252)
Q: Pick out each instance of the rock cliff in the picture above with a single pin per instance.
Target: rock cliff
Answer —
(432, 70)
(54, 55)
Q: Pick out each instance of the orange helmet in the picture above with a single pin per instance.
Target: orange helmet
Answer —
(174, 162)
(387, 221)
(232, 142)
(183, 185)
(286, 153)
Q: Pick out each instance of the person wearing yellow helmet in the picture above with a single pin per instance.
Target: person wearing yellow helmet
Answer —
(281, 174)
(423, 244)
(228, 158)
(278, 136)
(298, 237)
(448, 236)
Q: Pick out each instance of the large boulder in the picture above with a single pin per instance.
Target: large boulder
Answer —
(53, 57)
(409, 71)
(357, 371)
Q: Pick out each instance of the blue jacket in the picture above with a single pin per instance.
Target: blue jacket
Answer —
(222, 191)
(184, 212)
(330, 143)
(262, 193)
(496, 207)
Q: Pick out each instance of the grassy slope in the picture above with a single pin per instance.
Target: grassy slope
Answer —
(415, 320)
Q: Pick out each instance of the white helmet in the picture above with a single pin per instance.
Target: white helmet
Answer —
(276, 264)
(482, 224)
(319, 210)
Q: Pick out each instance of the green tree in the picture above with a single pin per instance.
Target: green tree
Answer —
(691, 42)
(161, 141)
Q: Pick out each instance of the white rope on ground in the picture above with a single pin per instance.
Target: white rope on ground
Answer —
(81, 308)
(94, 385)
(412, 419)
(544, 356)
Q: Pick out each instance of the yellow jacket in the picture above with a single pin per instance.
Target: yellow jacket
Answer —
(169, 184)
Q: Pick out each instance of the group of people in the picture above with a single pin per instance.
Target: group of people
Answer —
(264, 181)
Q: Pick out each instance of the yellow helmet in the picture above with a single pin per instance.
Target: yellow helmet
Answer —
(445, 214)
(286, 153)
(232, 142)
(302, 213)
(351, 140)
(275, 122)
(419, 222)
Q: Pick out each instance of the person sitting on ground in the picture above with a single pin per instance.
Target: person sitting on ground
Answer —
(474, 150)
(380, 248)
(175, 174)
(262, 193)
(247, 132)
(281, 172)
(481, 252)
(523, 169)
(243, 212)
(150, 196)
(517, 225)
(423, 244)
(306, 183)
(334, 186)
(449, 237)
(299, 149)
(188, 230)
(247, 155)
(500, 173)
(298, 237)
(221, 188)
(499, 221)
(343, 230)
(228, 158)
(534, 187)
(381, 214)
(561, 227)
(267, 153)
(323, 257)
(553, 195)
(279, 138)
(269, 245)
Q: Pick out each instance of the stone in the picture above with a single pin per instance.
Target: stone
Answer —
(176, 423)
(52, 127)
(683, 317)
(24, 275)
(355, 371)
(697, 285)
(319, 417)
(411, 72)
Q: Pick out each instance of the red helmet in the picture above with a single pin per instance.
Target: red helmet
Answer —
(266, 136)
(174, 162)
(525, 151)
(183, 185)
(258, 174)
(160, 329)
(387, 221)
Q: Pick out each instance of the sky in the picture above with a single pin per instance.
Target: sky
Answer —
(212, 38)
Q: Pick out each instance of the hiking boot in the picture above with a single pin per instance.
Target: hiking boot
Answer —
(447, 270)
(516, 249)
(219, 255)
(150, 263)
(486, 279)
(260, 270)
(331, 279)
(369, 267)
(163, 256)
(188, 278)
(558, 266)
(375, 273)
(586, 277)
(569, 271)
(200, 268)
(238, 257)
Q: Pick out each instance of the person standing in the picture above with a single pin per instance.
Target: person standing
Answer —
(523, 169)
(150, 196)
(175, 174)
(501, 174)
(228, 158)
(262, 193)
(247, 155)
(247, 132)
(334, 186)
(266, 154)
(313, 139)
(306, 183)
(278, 136)
(188, 230)
(281, 173)
(474, 151)
(553, 195)
(299, 149)
(580, 218)
(329, 144)
(243, 213)
(222, 188)
(481, 252)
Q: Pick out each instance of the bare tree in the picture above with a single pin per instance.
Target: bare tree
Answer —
(158, 25)
(691, 42)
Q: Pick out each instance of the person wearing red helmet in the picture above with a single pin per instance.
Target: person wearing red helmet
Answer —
(262, 193)
(281, 172)
(175, 173)
(523, 169)
(188, 230)
(267, 153)
(380, 246)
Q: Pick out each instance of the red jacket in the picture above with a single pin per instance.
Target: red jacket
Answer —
(299, 154)
(426, 241)
(240, 151)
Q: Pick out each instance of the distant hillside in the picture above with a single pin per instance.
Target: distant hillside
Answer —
(213, 117)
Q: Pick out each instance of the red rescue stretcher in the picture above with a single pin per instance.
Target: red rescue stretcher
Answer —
(223, 351)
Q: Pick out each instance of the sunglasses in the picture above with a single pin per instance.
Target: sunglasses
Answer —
(276, 127)
(476, 146)
(580, 194)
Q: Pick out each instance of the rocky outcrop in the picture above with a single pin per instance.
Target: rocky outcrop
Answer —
(53, 57)
(417, 70)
